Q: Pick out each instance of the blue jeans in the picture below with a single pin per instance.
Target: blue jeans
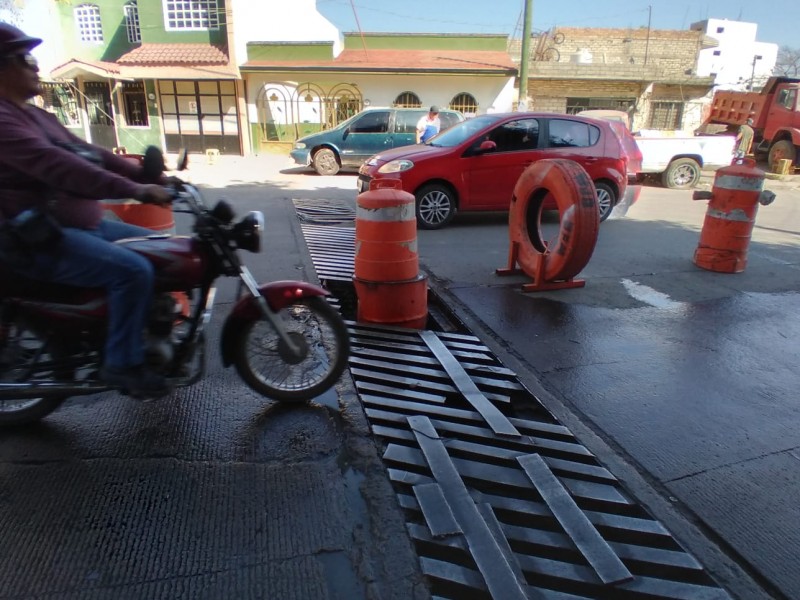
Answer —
(87, 258)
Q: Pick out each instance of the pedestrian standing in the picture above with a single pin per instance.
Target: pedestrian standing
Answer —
(429, 125)
(744, 139)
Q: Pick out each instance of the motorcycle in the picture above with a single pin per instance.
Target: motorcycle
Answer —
(284, 339)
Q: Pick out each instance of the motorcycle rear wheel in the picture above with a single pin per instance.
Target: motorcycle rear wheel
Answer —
(268, 367)
(21, 345)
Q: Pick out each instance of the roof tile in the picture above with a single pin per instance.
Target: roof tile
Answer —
(174, 54)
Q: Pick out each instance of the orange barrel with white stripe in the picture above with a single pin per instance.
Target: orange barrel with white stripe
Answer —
(730, 217)
(158, 218)
(387, 281)
(386, 233)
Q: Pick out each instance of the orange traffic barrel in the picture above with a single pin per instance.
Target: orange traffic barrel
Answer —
(386, 234)
(730, 217)
(387, 281)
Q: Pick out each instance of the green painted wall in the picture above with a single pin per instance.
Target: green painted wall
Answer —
(289, 51)
(353, 41)
(115, 44)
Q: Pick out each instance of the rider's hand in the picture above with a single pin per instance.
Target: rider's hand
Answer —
(154, 194)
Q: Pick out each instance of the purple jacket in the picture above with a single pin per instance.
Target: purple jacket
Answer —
(33, 169)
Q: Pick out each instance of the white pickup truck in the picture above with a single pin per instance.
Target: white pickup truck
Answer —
(678, 157)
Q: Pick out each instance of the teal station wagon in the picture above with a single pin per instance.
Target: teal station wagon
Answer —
(374, 130)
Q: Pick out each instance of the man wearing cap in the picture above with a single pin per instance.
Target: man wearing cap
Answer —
(37, 169)
(429, 125)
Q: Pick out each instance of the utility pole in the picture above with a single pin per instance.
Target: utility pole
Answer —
(524, 62)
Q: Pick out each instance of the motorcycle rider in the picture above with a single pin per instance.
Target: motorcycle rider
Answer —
(35, 170)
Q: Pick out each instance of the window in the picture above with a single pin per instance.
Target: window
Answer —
(131, 10)
(405, 121)
(720, 30)
(90, 29)
(191, 14)
(516, 135)
(465, 103)
(407, 100)
(373, 122)
(571, 134)
(134, 104)
(576, 105)
(666, 115)
(717, 52)
(59, 99)
(786, 98)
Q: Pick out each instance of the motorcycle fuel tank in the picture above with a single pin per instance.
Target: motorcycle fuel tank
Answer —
(179, 261)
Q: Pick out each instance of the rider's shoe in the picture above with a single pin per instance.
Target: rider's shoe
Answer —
(139, 381)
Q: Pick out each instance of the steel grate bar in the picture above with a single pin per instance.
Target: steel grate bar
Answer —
(496, 420)
(440, 519)
(497, 573)
(605, 562)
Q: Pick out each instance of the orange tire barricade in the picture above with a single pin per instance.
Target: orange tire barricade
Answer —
(552, 266)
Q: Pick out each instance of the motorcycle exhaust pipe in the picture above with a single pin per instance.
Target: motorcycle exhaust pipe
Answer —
(29, 391)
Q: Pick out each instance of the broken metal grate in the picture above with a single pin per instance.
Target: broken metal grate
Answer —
(501, 501)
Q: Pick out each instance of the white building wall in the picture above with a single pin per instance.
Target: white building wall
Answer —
(733, 61)
(38, 18)
(280, 21)
(493, 94)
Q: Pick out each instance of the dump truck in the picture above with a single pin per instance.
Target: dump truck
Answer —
(775, 114)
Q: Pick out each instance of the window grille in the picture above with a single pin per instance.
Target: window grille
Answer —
(131, 10)
(465, 103)
(407, 100)
(60, 99)
(191, 14)
(666, 115)
(134, 104)
(576, 105)
(90, 28)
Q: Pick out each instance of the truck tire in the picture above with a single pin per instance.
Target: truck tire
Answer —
(780, 150)
(681, 174)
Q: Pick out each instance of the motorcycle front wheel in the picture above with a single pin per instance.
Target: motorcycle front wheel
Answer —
(269, 367)
(24, 357)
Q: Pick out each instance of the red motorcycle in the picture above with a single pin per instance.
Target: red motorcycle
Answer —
(285, 340)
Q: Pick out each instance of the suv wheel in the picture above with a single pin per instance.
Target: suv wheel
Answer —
(325, 162)
(436, 206)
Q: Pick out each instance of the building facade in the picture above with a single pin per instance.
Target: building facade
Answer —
(650, 74)
(738, 62)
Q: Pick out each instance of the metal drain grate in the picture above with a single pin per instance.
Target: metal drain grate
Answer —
(501, 501)
(526, 513)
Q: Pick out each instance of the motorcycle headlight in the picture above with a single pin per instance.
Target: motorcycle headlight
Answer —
(396, 166)
(246, 234)
(299, 145)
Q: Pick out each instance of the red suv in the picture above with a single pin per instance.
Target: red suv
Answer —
(474, 165)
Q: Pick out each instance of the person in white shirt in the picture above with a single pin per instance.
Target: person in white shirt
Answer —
(429, 125)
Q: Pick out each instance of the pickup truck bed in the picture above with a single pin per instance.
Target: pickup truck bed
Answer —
(680, 159)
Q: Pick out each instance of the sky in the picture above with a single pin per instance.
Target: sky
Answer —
(777, 19)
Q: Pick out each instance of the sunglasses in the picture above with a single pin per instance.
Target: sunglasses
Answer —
(26, 60)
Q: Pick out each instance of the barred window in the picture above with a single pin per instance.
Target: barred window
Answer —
(191, 14)
(134, 104)
(90, 28)
(60, 99)
(666, 115)
(131, 10)
(407, 100)
(465, 103)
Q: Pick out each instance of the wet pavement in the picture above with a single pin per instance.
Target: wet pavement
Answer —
(687, 377)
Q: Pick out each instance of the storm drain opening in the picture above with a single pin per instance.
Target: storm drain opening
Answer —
(501, 500)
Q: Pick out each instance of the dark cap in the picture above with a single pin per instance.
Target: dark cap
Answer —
(13, 40)
(435, 109)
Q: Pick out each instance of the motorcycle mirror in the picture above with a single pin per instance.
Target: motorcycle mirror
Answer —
(183, 159)
(153, 163)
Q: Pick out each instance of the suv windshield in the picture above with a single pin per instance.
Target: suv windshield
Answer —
(462, 132)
